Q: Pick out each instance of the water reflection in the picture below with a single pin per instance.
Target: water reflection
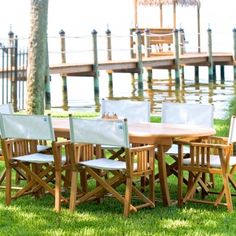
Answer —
(159, 89)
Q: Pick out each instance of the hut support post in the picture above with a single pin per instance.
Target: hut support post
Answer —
(132, 43)
(148, 52)
(210, 59)
(95, 65)
(177, 60)
(109, 57)
(234, 34)
(63, 77)
(140, 62)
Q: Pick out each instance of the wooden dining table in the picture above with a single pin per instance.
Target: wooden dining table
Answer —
(160, 134)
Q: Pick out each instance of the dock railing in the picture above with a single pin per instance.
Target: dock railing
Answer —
(94, 51)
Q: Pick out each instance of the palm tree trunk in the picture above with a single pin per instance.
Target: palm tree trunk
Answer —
(37, 57)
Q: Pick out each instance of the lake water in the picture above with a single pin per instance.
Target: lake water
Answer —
(81, 97)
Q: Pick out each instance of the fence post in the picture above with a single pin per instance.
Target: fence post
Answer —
(11, 48)
(177, 60)
(64, 79)
(109, 58)
(234, 34)
(14, 78)
(95, 64)
(12, 52)
(210, 59)
(140, 63)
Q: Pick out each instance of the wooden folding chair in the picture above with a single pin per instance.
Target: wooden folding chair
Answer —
(87, 136)
(42, 145)
(20, 135)
(185, 113)
(134, 111)
(212, 155)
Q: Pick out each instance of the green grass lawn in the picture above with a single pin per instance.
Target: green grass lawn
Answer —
(30, 216)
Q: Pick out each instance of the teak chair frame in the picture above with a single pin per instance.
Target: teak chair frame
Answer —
(83, 154)
(212, 155)
(42, 172)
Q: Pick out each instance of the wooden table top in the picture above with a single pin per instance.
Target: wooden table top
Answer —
(146, 130)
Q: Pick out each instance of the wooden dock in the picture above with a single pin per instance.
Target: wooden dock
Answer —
(148, 50)
(131, 65)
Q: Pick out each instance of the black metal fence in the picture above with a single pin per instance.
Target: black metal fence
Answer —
(13, 70)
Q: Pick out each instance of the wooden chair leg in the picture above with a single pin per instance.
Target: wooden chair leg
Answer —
(83, 181)
(180, 188)
(152, 187)
(74, 179)
(8, 186)
(227, 193)
(58, 190)
(128, 195)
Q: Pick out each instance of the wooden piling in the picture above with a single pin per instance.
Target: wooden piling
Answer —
(210, 59)
(95, 64)
(64, 79)
(234, 54)
(148, 52)
(109, 58)
(214, 73)
(177, 60)
(140, 62)
(222, 74)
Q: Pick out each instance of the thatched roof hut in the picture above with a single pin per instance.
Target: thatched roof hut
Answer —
(160, 3)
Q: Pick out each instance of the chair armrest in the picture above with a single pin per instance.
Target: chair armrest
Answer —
(141, 159)
(217, 139)
(142, 148)
(60, 149)
(62, 143)
(206, 140)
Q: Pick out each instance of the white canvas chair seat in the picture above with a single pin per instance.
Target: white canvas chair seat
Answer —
(43, 148)
(214, 161)
(38, 158)
(174, 150)
(87, 137)
(107, 164)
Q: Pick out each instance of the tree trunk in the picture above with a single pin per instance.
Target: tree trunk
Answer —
(37, 57)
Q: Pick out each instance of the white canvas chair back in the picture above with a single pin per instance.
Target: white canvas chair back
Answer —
(6, 108)
(100, 131)
(26, 127)
(232, 130)
(133, 111)
(191, 114)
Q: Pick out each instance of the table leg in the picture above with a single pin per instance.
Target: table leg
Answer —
(163, 176)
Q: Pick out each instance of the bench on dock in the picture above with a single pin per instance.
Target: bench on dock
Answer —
(155, 41)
